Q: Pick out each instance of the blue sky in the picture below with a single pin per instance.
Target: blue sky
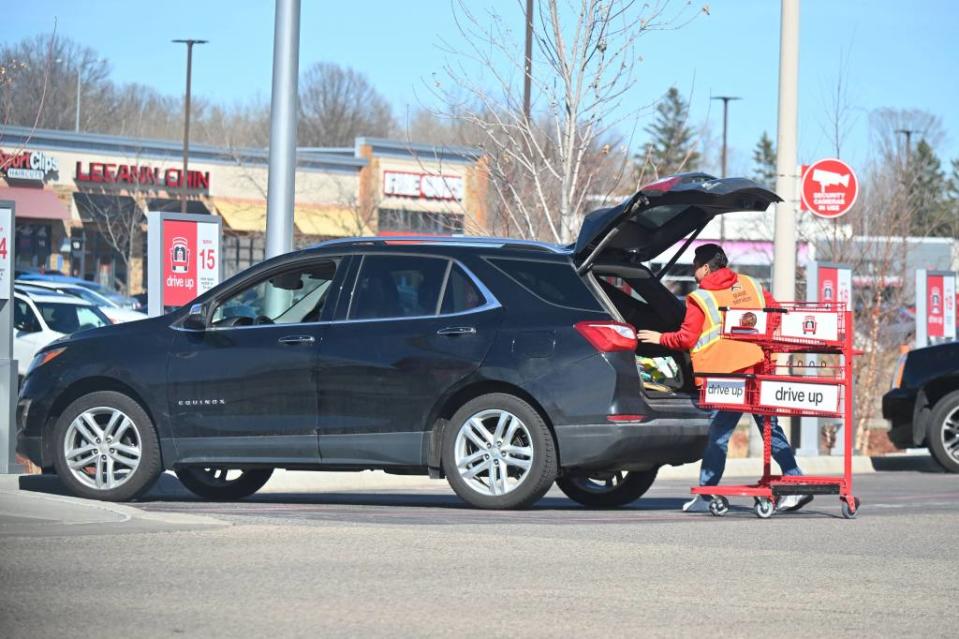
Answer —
(898, 54)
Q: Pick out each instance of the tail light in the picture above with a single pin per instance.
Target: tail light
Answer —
(663, 185)
(608, 337)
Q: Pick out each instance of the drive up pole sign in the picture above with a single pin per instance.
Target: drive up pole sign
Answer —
(9, 384)
(825, 282)
(183, 258)
(829, 188)
(935, 307)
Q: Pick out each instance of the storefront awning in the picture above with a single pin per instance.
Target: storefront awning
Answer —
(329, 221)
(167, 205)
(242, 215)
(35, 203)
(314, 220)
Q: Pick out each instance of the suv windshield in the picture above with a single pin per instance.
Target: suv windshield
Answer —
(70, 318)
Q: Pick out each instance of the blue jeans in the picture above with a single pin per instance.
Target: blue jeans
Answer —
(721, 429)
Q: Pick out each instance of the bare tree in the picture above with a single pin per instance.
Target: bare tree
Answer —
(544, 167)
(337, 104)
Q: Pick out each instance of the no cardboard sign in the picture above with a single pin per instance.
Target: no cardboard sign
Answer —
(829, 188)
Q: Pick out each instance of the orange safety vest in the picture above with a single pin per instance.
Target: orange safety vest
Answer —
(712, 353)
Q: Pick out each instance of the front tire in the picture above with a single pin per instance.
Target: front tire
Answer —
(106, 447)
(217, 484)
(607, 490)
(499, 453)
(943, 432)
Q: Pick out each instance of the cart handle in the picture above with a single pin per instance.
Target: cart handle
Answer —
(768, 309)
(726, 375)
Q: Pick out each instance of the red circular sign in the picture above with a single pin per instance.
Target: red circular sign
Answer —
(829, 188)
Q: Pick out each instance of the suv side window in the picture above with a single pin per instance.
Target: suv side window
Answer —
(397, 286)
(291, 297)
(461, 293)
(553, 282)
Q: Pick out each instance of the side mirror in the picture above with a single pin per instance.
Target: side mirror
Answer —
(196, 319)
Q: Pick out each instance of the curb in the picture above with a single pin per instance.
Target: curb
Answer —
(48, 488)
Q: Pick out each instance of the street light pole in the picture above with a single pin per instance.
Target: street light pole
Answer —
(725, 99)
(784, 243)
(282, 176)
(186, 116)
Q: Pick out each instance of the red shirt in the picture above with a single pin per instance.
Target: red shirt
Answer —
(686, 337)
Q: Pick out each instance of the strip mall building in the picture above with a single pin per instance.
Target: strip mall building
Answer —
(80, 196)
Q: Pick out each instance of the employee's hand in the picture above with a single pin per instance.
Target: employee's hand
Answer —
(649, 337)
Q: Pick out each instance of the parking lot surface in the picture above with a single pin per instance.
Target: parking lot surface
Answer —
(419, 563)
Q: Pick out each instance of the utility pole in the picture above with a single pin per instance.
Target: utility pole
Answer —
(725, 99)
(908, 133)
(784, 245)
(528, 68)
(186, 116)
(282, 176)
(76, 126)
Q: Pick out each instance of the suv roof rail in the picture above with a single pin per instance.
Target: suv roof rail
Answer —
(486, 242)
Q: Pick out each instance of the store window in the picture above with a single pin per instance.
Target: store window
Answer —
(419, 222)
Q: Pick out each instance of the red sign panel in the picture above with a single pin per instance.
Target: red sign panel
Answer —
(935, 306)
(829, 188)
(190, 254)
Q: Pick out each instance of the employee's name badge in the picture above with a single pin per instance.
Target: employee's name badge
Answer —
(821, 325)
(820, 398)
(720, 390)
(744, 321)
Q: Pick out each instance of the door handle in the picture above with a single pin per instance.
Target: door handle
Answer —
(457, 330)
(293, 340)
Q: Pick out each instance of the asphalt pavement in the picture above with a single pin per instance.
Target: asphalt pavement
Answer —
(416, 562)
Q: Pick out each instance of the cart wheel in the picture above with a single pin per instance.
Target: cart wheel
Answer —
(764, 508)
(718, 506)
(847, 512)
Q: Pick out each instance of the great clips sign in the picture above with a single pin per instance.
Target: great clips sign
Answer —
(183, 258)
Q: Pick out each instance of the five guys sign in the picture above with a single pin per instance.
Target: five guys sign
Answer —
(135, 174)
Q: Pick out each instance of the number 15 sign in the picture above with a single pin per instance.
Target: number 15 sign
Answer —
(183, 258)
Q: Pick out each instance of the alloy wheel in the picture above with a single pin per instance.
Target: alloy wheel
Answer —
(493, 452)
(102, 448)
(950, 434)
(600, 482)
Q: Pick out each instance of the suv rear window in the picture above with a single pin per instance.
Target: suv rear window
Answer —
(553, 282)
(461, 293)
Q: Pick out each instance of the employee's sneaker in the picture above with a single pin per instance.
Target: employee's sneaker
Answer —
(698, 504)
(792, 503)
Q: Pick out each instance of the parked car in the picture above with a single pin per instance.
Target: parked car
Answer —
(923, 405)
(503, 365)
(121, 300)
(110, 308)
(41, 316)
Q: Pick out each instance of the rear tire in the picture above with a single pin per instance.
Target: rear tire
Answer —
(602, 490)
(216, 485)
(943, 432)
(106, 447)
(499, 453)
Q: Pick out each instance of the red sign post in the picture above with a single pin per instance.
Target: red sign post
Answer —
(829, 188)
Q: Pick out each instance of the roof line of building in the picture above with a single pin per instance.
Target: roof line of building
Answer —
(306, 157)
